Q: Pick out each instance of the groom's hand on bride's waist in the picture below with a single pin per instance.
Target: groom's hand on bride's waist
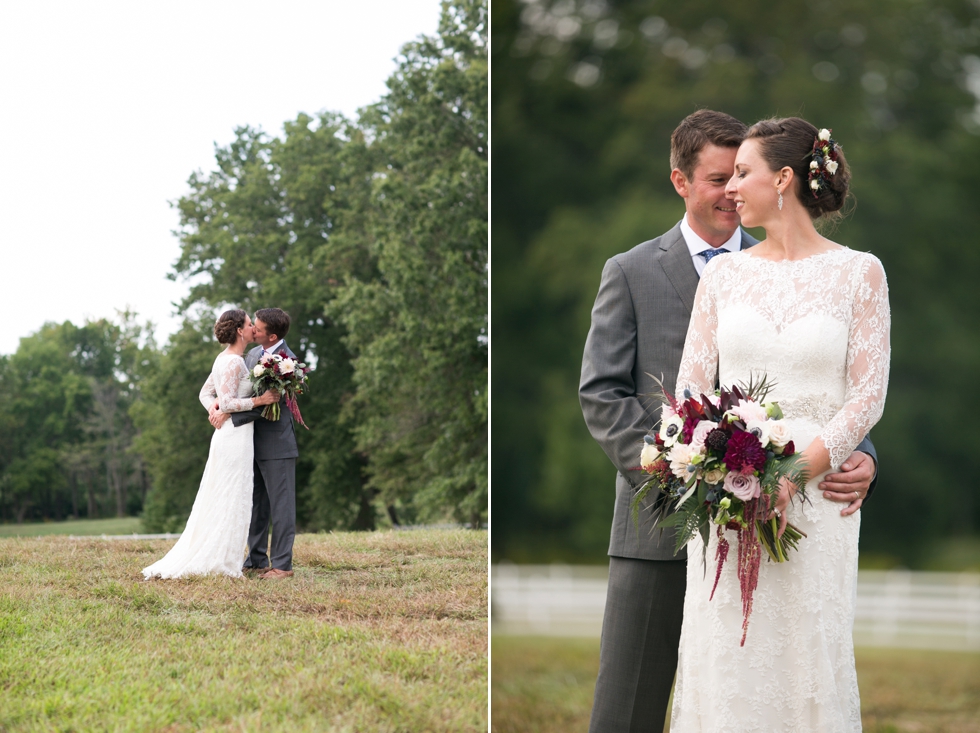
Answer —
(216, 417)
(850, 485)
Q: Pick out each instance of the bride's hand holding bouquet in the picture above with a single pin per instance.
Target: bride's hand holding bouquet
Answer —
(266, 398)
(277, 375)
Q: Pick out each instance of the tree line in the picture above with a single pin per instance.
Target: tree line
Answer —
(372, 234)
(584, 98)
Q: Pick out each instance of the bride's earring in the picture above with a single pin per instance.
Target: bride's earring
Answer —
(779, 204)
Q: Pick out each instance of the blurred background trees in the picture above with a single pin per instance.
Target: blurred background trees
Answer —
(585, 95)
(372, 235)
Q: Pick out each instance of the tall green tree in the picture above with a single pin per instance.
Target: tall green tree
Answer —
(418, 326)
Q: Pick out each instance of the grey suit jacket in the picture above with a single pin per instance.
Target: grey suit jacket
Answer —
(273, 439)
(639, 325)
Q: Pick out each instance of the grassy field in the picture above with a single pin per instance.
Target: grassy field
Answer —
(383, 631)
(544, 685)
(78, 527)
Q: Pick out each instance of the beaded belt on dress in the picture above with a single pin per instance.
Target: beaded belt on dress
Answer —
(819, 408)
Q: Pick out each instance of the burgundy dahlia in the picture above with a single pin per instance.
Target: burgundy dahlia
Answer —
(744, 452)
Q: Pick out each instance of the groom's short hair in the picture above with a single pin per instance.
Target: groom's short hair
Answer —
(704, 127)
(276, 319)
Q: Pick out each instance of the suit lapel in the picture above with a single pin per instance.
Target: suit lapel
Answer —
(677, 265)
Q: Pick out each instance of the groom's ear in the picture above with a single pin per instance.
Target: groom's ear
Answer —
(681, 184)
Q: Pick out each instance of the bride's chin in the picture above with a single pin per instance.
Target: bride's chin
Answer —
(751, 221)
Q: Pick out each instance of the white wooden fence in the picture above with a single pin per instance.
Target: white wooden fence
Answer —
(895, 608)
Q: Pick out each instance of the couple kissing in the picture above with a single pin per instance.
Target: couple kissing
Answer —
(249, 481)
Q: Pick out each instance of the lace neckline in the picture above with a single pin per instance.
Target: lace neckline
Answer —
(748, 254)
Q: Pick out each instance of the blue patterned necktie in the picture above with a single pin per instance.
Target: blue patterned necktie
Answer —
(709, 253)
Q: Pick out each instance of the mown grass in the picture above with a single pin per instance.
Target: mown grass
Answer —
(383, 631)
(77, 527)
(545, 685)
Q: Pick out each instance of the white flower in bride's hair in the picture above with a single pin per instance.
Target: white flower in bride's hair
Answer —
(831, 167)
(824, 134)
(286, 366)
(814, 165)
(815, 184)
(257, 371)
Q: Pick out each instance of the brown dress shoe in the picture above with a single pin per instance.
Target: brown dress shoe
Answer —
(276, 573)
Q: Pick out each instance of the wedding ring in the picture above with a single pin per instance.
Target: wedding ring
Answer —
(857, 495)
(778, 513)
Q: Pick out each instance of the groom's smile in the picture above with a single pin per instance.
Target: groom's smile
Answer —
(710, 212)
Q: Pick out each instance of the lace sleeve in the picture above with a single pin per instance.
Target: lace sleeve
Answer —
(699, 364)
(868, 354)
(232, 372)
(208, 394)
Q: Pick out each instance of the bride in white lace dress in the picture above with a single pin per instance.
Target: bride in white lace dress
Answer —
(814, 317)
(213, 541)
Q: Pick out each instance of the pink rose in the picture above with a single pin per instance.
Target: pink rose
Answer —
(748, 410)
(743, 486)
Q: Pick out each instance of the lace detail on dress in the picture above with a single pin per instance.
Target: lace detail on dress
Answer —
(224, 382)
(819, 329)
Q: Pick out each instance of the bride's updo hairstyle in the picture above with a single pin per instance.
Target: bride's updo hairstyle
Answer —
(789, 143)
(227, 325)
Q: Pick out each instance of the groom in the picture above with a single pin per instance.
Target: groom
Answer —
(639, 323)
(274, 470)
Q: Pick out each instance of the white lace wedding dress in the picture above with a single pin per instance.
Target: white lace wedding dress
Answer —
(819, 329)
(213, 541)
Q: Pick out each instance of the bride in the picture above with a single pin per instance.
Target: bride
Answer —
(813, 316)
(213, 542)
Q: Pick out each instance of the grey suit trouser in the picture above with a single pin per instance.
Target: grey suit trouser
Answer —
(641, 631)
(273, 498)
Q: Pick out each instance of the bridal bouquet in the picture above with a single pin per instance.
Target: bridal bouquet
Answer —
(717, 461)
(286, 376)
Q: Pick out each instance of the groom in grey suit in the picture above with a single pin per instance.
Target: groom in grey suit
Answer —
(274, 469)
(639, 324)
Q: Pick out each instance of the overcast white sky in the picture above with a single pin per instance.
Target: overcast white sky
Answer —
(109, 105)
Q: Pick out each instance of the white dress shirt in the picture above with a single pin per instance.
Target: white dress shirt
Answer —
(279, 342)
(696, 245)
